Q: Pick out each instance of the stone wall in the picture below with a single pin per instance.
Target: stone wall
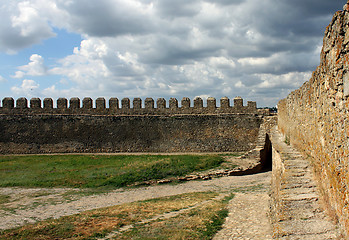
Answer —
(76, 128)
(315, 118)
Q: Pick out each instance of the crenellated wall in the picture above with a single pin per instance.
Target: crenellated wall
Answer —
(39, 127)
(76, 106)
(315, 118)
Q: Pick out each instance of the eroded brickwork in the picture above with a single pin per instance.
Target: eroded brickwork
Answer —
(315, 118)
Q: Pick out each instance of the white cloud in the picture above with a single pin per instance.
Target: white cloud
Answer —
(252, 61)
(222, 62)
(27, 88)
(85, 67)
(288, 81)
(35, 67)
(28, 21)
(22, 25)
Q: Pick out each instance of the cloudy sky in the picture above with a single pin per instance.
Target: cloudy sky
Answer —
(259, 50)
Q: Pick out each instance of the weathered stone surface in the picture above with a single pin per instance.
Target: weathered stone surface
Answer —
(62, 103)
(74, 103)
(100, 103)
(48, 103)
(101, 133)
(198, 103)
(87, 103)
(21, 103)
(149, 103)
(8, 103)
(137, 103)
(35, 103)
(211, 103)
(113, 103)
(84, 128)
(225, 103)
(161, 103)
(238, 102)
(125, 103)
(315, 118)
(185, 102)
(296, 209)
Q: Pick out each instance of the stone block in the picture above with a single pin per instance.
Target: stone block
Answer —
(35, 103)
(185, 103)
(87, 103)
(62, 103)
(114, 103)
(252, 105)
(74, 103)
(198, 102)
(238, 102)
(8, 103)
(48, 103)
(137, 103)
(100, 103)
(22, 103)
(125, 103)
(149, 103)
(225, 103)
(173, 103)
(211, 103)
(161, 103)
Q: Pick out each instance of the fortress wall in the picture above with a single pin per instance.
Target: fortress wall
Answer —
(35, 127)
(315, 118)
(92, 133)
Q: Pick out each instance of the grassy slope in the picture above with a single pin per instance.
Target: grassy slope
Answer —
(97, 170)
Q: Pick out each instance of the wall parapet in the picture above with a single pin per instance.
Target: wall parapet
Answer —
(86, 106)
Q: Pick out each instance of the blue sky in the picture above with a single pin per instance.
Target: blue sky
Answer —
(51, 50)
(260, 50)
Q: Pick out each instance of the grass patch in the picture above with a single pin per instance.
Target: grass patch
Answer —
(214, 224)
(98, 223)
(199, 223)
(93, 171)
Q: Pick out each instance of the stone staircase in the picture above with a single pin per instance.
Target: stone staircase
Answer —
(296, 211)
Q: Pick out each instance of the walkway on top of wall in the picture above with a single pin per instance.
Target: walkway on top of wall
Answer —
(296, 211)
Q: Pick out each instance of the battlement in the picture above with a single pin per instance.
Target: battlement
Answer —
(76, 106)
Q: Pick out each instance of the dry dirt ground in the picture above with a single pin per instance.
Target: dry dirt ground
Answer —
(248, 209)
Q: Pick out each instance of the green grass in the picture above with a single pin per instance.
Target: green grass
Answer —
(93, 171)
(214, 224)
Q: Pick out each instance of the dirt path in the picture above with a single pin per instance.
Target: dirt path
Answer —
(248, 217)
(31, 205)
